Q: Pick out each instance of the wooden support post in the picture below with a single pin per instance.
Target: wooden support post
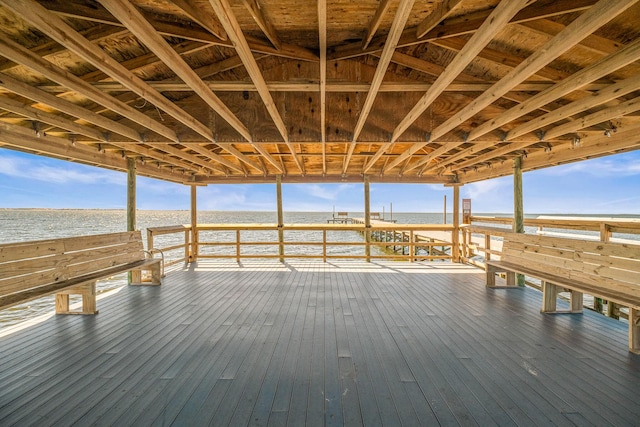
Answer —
(194, 226)
(324, 245)
(487, 247)
(634, 330)
(133, 276)
(444, 211)
(367, 219)
(518, 205)
(280, 218)
(412, 248)
(238, 246)
(455, 250)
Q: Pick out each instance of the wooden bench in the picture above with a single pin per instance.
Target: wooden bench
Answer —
(607, 270)
(71, 266)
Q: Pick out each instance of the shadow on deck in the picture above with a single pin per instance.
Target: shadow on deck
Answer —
(306, 342)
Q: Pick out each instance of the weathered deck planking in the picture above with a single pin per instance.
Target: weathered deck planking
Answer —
(320, 344)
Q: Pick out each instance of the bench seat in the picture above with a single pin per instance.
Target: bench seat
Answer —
(606, 270)
(71, 266)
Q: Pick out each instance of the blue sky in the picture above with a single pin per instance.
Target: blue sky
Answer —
(608, 185)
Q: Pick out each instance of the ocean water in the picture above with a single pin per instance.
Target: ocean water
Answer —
(35, 224)
(17, 225)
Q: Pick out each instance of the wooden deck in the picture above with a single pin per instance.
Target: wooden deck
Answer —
(321, 344)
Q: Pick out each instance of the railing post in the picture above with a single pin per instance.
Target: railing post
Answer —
(324, 245)
(194, 226)
(455, 240)
(238, 246)
(518, 206)
(186, 245)
(412, 247)
(280, 217)
(367, 219)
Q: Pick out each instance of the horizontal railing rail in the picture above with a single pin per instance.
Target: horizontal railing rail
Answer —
(242, 241)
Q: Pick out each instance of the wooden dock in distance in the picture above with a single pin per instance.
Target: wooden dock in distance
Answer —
(317, 343)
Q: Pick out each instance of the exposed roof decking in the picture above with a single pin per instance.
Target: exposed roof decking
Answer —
(322, 343)
(305, 98)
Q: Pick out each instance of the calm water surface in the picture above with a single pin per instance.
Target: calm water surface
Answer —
(25, 225)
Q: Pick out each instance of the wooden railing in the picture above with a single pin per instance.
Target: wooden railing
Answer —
(330, 241)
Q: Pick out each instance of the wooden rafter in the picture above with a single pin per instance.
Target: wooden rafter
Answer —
(456, 28)
(231, 26)
(202, 16)
(19, 137)
(257, 12)
(27, 91)
(25, 57)
(585, 24)
(597, 70)
(76, 9)
(335, 87)
(322, 34)
(50, 118)
(613, 91)
(606, 114)
(133, 20)
(591, 146)
(444, 9)
(494, 23)
(374, 24)
(399, 21)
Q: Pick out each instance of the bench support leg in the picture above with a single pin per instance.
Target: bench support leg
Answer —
(550, 299)
(491, 271)
(634, 330)
(88, 293)
(576, 300)
(156, 274)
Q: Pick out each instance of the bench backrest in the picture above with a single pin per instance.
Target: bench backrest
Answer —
(29, 265)
(595, 263)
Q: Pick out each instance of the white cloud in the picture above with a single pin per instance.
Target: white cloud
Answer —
(602, 167)
(327, 192)
(43, 170)
(483, 188)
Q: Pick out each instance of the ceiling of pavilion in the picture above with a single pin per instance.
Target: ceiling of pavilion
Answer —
(434, 91)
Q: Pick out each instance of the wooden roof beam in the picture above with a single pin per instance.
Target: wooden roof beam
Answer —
(539, 9)
(23, 89)
(622, 109)
(444, 9)
(591, 146)
(199, 13)
(231, 26)
(606, 114)
(399, 21)
(383, 6)
(257, 12)
(613, 91)
(599, 69)
(79, 10)
(322, 35)
(51, 119)
(137, 24)
(198, 148)
(23, 56)
(94, 34)
(493, 24)
(585, 24)
(61, 148)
